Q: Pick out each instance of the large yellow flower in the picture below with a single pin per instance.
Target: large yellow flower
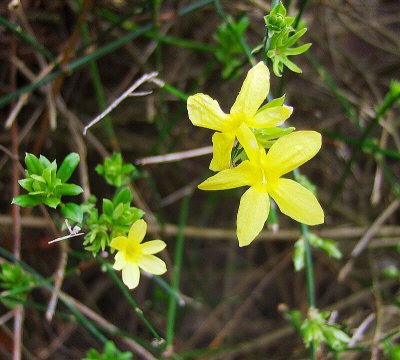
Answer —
(262, 172)
(133, 254)
(206, 112)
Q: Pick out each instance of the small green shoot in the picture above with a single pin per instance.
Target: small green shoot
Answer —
(115, 220)
(110, 353)
(229, 51)
(116, 172)
(15, 285)
(46, 185)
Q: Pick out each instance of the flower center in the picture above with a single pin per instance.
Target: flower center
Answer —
(235, 120)
(133, 253)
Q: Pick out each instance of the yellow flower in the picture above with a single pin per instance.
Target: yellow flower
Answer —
(262, 172)
(133, 254)
(206, 112)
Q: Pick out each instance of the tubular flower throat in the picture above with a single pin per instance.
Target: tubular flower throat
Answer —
(262, 172)
(244, 114)
(133, 254)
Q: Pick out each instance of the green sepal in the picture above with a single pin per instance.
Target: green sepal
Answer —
(296, 36)
(273, 103)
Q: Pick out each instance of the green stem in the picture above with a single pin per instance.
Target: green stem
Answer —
(84, 321)
(309, 277)
(98, 88)
(300, 13)
(131, 301)
(177, 271)
(308, 264)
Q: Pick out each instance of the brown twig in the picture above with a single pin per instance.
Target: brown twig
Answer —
(280, 265)
(366, 238)
(119, 99)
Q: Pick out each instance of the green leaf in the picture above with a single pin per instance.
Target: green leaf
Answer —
(26, 200)
(68, 189)
(298, 255)
(52, 202)
(118, 211)
(108, 207)
(49, 174)
(68, 166)
(26, 183)
(33, 164)
(38, 178)
(72, 212)
(123, 196)
(44, 161)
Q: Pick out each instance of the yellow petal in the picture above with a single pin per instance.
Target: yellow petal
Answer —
(152, 264)
(252, 214)
(205, 112)
(249, 142)
(243, 174)
(137, 231)
(222, 149)
(120, 261)
(270, 117)
(119, 243)
(131, 275)
(297, 202)
(152, 247)
(254, 90)
(291, 151)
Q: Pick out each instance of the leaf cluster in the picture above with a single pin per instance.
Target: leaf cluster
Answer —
(44, 183)
(116, 172)
(330, 247)
(115, 220)
(110, 353)
(15, 285)
(316, 329)
(228, 50)
(282, 36)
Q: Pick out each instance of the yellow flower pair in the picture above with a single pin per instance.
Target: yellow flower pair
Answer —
(262, 171)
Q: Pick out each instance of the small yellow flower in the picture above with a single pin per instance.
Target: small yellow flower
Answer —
(206, 112)
(133, 254)
(262, 172)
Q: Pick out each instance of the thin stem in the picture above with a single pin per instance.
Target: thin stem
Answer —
(177, 271)
(308, 266)
(309, 278)
(130, 299)
(300, 13)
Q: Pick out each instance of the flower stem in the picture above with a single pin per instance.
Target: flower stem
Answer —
(308, 263)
